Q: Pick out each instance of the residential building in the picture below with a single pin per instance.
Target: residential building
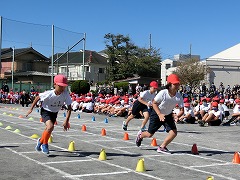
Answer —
(71, 64)
(24, 65)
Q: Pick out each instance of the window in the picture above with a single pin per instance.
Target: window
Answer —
(168, 66)
(87, 68)
(101, 70)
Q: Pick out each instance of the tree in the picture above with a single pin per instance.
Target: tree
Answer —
(148, 62)
(80, 87)
(191, 72)
(127, 59)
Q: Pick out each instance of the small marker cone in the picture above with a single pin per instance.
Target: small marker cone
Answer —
(103, 133)
(20, 116)
(93, 118)
(37, 110)
(236, 158)
(1, 124)
(78, 116)
(106, 120)
(8, 128)
(50, 140)
(56, 123)
(210, 178)
(41, 119)
(10, 115)
(64, 114)
(17, 109)
(4, 113)
(17, 131)
(35, 136)
(71, 146)
(195, 149)
(154, 142)
(126, 137)
(84, 128)
(102, 155)
(140, 166)
(31, 118)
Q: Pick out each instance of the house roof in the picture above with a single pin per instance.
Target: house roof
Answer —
(77, 57)
(8, 52)
(231, 53)
(31, 73)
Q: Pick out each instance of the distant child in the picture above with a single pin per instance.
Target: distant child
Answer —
(163, 105)
(142, 104)
(51, 103)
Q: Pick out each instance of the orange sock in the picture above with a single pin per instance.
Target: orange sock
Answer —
(45, 136)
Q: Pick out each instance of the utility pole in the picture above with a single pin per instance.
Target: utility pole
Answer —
(150, 41)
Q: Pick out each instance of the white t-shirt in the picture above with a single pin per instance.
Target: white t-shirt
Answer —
(75, 105)
(236, 108)
(147, 96)
(52, 102)
(166, 102)
(188, 111)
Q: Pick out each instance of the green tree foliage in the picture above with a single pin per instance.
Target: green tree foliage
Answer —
(120, 85)
(80, 87)
(191, 72)
(127, 59)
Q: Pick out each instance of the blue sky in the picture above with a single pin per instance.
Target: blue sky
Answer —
(210, 26)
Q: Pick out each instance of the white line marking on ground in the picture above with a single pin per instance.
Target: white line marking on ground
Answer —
(60, 162)
(99, 174)
(213, 164)
(39, 163)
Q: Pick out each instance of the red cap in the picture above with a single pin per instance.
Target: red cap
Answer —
(221, 101)
(185, 100)
(154, 84)
(237, 100)
(60, 80)
(173, 78)
(214, 104)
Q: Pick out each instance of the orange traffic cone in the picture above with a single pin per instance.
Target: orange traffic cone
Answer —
(195, 149)
(103, 132)
(56, 123)
(41, 120)
(154, 142)
(84, 128)
(126, 137)
(236, 158)
(20, 116)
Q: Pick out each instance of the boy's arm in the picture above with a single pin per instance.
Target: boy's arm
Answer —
(33, 105)
(66, 122)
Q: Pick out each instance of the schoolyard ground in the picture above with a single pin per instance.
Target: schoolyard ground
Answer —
(121, 157)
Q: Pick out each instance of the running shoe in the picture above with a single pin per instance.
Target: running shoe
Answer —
(45, 148)
(124, 126)
(139, 139)
(38, 146)
(163, 150)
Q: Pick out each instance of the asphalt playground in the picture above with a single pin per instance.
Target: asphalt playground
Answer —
(19, 160)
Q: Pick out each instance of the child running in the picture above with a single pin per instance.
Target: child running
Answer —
(51, 103)
(163, 105)
(143, 104)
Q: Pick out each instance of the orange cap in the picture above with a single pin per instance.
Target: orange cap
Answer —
(173, 78)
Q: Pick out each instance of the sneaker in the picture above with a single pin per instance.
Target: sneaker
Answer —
(139, 139)
(201, 123)
(38, 146)
(124, 126)
(45, 148)
(163, 150)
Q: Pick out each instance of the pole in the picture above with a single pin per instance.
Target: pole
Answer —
(0, 44)
(150, 41)
(13, 59)
(52, 56)
(67, 61)
(84, 44)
